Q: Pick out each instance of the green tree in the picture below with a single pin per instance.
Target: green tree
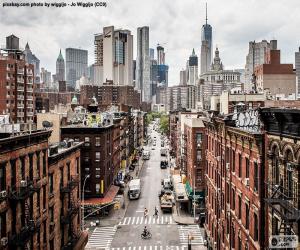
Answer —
(164, 124)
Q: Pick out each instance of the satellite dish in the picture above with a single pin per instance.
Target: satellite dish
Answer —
(47, 124)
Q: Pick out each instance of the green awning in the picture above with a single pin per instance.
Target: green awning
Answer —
(199, 195)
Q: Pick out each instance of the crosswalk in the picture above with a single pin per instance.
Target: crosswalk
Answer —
(156, 247)
(147, 221)
(193, 230)
(101, 238)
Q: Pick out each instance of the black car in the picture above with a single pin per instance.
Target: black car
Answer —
(163, 164)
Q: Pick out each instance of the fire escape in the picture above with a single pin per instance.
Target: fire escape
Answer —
(72, 211)
(285, 204)
(20, 195)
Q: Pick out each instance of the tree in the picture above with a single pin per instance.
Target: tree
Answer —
(164, 124)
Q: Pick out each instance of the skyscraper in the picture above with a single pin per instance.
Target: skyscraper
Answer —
(76, 65)
(257, 55)
(193, 69)
(143, 63)
(114, 56)
(206, 46)
(297, 66)
(32, 59)
(162, 67)
(60, 68)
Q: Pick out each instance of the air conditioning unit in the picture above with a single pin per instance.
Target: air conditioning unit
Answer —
(3, 194)
(247, 182)
(4, 241)
(218, 158)
(23, 183)
(289, 167)
(227, 166)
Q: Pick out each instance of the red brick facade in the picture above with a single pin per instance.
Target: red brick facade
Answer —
(234, 177)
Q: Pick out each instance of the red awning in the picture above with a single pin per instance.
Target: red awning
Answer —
(108, 198)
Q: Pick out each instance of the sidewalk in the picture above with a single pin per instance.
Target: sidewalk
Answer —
(116, 215)
(181, 217)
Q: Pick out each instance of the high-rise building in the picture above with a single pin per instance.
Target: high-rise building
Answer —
(160, 55)
(114, 56)
(143, 63)
(60, 68)
(206, 46)
(297, 66)
(153, 77)
(257, 55)
(151, 53)
(45, 78)
(183, 77)
(32, 59)
(76, 65)
(17, 83)
(193, 69)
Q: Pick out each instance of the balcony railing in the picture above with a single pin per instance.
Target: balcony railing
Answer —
(72, 183)
(21, 238)
(283, 201)
(71, 212)
(72, 242)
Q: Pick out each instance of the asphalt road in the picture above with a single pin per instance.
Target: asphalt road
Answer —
(126, 235)
(164, 229)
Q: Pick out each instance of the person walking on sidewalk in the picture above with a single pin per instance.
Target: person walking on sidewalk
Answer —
(145, 212)
(155, 212)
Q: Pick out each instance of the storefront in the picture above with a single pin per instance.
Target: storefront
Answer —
(199, 199)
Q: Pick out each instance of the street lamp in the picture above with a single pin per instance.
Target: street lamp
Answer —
(194, 193)
(82, 201)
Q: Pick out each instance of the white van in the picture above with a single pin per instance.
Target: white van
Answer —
(134, 189)
(146, 155)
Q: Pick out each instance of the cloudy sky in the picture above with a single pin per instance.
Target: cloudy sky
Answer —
(174, 23)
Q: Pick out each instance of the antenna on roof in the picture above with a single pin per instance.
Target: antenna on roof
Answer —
(206, 12)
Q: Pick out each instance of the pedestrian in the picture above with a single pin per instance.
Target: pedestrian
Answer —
(145, 212)
(155, 212)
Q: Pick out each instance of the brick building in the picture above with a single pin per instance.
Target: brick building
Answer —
(194, 160)
(275, 77)
(97, 156)
(16, 83)
(235, 183)
(30, 194)
(109, 94)
(282, 167)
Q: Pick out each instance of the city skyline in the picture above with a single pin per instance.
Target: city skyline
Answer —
(233, 28)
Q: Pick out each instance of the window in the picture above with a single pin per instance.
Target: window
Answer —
(240, 207)
(44, 163)
(2, 225)
(86, 141)
(51, 183)
(22, 170)
(77, 165)
(256, 177)
(51, 214)
(97, 188)
(247, 167)
(233, 199)
(2, 177)
(44, 197)
(97, 141)
(45, 233)
(247, 215)
(38, 164)
(255, 227)
(97, 155)
(233, 160)
(38, 200)
(240, 165)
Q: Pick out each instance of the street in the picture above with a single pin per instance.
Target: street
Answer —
(166, 234)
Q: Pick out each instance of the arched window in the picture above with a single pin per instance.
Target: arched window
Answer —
(289, 173)
(275, 166)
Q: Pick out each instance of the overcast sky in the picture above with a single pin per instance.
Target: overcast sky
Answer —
(174, 23)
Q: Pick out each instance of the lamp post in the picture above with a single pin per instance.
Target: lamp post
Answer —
(194, 192)
(82, 207)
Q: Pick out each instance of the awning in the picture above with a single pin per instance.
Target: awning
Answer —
(199, 195)
(108, 198)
